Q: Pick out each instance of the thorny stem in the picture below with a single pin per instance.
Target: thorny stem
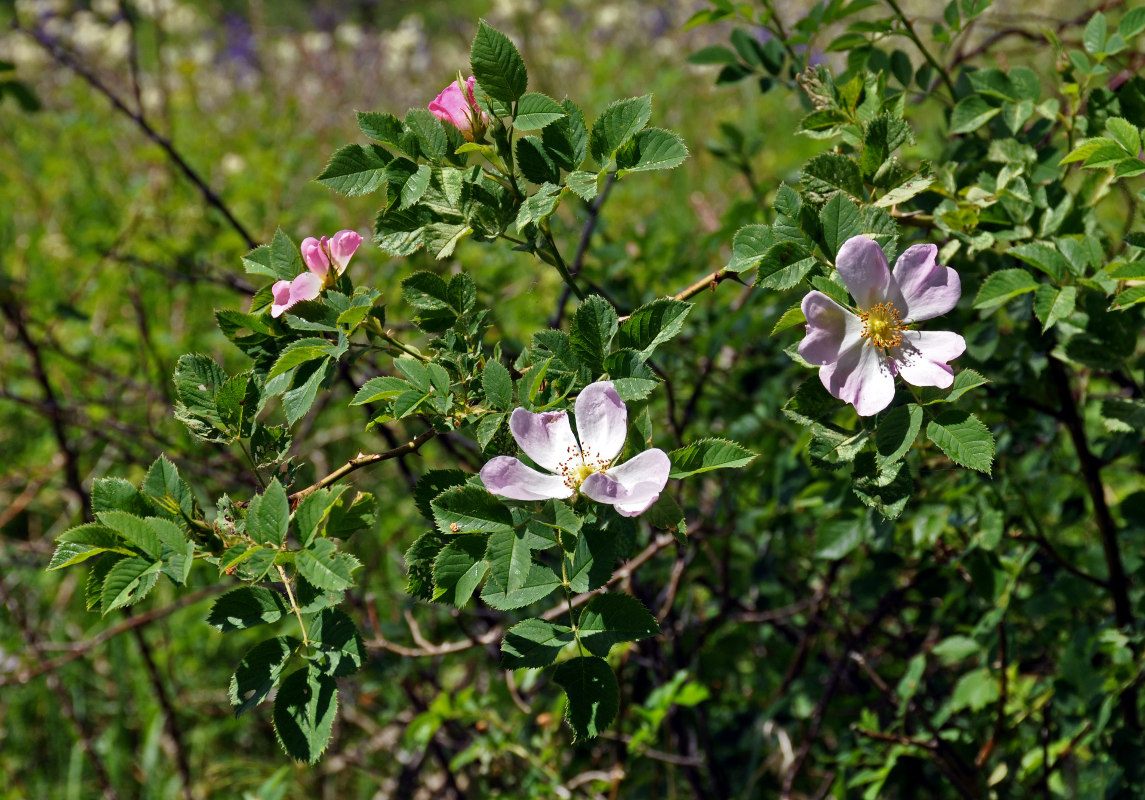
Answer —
(364, 460)
(1107, 528)
(293, 604)
(922, 48)
(557, 261)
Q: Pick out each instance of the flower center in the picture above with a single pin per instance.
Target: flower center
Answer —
(882, 325)
(577, 467)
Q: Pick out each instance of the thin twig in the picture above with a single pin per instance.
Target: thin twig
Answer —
(65, 59)
(173, 729)
(131, 623)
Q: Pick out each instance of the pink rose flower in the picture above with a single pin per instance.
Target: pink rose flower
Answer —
(337, 251)
(584, 466)
(859, 354)
(326, 260)
(460, 109)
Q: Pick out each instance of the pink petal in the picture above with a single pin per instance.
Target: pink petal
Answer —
(601, 422)
(453, 106)
(315, 256)
(632, 486)
(469, 82)
(342, 248)
(921, 360)
(508, 477)
(830, 329)
(547, 438)
(306, 286)
(863, 377)
(928, 288)
(863, 268)
(281, 294)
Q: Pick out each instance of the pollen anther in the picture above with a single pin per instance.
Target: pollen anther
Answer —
(882, 325)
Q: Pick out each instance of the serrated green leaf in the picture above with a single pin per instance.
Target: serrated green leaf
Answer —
(897, 431)
(324, 566)
(133, 530)
(617, 125)
(470, 509)
(300, 352)
(749, 245)
(497, 65)
(1052, 304)
(592, 560)
(377, 390)
(510, 559)
(593, 695)
(706, 455)
(1003, 286)
(584, 184)
(614, 617)
(268, 520)
(1125, 134)
(304, 712)
(128, 582)
(538, 206)
(963, 438)
(381, 127)
(498, 385)
(650, 149)
(1132, 23)
(163, 485)
(593, 326)
(1093, 37)
(246, 607)
(971, 113)
(340, 650)
(458, 569)
(653, 324)
(431, 138)
(840, 220)
(535, 111)
(539, 584)
(355, 170)
(83, 542)
(259, 672)
(534, 643)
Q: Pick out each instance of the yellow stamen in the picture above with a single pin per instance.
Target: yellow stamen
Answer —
(882, 325)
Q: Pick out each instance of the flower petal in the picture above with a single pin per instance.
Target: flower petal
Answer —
(314, 256)
(632, 486)
(922, 358)
(509, 477)
(453, 106)
(306, 286)
(863, 267)
(601, 422)
(863, 377)
(342, 248)
(281, 294)
(928, 288)
(547, 438)
(830, 329)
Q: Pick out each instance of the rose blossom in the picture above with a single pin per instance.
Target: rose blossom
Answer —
(584, 466)
(460, 109)
(319, 256)
(859, 354)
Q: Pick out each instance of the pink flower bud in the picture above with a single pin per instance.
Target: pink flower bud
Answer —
(460, 109)
(314, 254)
(342, 248)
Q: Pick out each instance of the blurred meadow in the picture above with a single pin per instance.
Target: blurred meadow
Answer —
(145, 147)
